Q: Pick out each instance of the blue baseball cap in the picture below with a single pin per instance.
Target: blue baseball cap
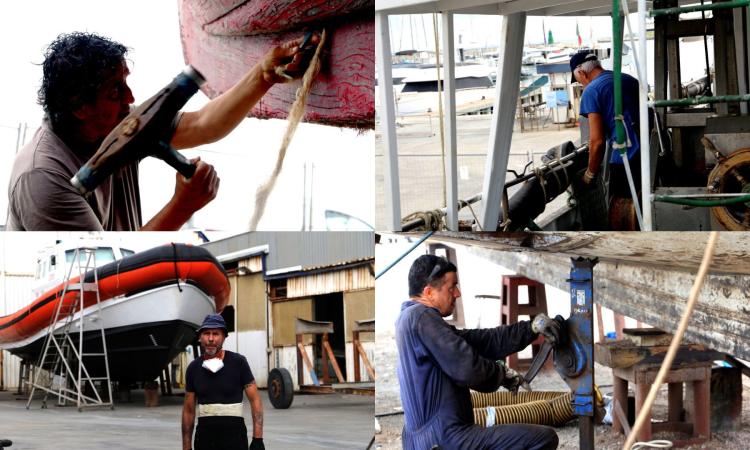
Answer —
(578, 59)
(213, 321)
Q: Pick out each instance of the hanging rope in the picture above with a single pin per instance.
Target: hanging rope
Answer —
(295, 115)
(700, 278)
(440, 101)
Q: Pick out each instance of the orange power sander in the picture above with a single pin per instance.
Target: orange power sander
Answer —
(144, 132)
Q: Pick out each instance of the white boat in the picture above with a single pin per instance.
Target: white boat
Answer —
(152, 303)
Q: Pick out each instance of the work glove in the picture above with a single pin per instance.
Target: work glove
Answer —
(589, 177)
(551, 329)
(257, 444)
(512, 380)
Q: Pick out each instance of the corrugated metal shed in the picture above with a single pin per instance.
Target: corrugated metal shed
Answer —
(347, 280)
(295, 251)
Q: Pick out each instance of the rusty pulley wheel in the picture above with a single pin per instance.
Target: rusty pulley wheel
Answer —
(732, 176)
(280, 388)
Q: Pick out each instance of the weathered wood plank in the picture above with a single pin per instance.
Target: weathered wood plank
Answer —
(641, 275)
(622, 354)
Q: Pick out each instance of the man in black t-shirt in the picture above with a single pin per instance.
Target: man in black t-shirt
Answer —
(215, 382)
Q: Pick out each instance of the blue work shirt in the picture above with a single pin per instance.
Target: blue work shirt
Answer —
(599, 97)
(438, 365)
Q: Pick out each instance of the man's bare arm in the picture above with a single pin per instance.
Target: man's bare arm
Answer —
(222, 114)
(596, 142)
(188, 420)
(256, 406)
(189, 196)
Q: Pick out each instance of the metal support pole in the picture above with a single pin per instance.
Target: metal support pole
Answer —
(701, 100)
(694, 8)
(388, 123)
(645, 140)
(581, 324)
(503, 115)
(451, 158)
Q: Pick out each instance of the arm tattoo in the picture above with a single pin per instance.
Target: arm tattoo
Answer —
(258, 419)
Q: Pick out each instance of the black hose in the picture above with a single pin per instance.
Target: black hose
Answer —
(531, 199)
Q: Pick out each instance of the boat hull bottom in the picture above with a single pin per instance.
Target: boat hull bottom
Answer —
(136, 352)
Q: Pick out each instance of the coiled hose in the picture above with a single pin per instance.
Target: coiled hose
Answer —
(540, 407)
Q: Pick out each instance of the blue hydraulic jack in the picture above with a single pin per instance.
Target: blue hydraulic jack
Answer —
(574, 353)
(574, 356)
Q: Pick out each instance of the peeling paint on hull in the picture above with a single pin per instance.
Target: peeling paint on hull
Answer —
(220, 47)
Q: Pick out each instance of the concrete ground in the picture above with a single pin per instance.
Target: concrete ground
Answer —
(421, 167)
(313, 421)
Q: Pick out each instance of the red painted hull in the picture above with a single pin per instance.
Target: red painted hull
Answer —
(37, 316)
(224, 39)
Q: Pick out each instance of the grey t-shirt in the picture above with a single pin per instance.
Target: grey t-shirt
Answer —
(41, 197)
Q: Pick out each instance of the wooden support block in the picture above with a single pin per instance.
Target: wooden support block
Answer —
(334, 363)
(648, 337)
(620, 422)
(365, 360)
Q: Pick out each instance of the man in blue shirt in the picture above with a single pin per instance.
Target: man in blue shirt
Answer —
(598, 106)
(439, 364)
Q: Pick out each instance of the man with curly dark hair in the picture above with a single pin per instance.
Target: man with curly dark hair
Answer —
(85, 94)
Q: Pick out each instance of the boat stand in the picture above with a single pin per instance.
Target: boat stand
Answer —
(63, 360)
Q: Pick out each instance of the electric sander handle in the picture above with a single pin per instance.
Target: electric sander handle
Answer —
(144, 132)
(176, 160)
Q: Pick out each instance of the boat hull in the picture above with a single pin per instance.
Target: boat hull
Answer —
(143, 332)
(151, 305)
(639, 275)
(161, 266)
(224, 47)
(131, 353)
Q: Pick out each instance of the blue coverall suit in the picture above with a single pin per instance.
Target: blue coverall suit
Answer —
(438, 364)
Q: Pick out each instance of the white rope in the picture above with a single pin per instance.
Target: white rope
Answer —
(295, 116)
(659, 443)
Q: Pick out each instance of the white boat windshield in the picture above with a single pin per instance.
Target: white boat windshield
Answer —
(104, 255)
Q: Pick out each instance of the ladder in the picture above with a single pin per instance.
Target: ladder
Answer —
(64, 358)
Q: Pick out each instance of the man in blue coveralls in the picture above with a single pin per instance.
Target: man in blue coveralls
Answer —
(598, 106)
(439, 364)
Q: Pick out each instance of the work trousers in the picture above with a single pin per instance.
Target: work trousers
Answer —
(220, 433)
(504, 437)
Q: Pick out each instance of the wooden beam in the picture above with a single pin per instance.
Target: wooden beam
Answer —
(365, 360)
(335, 364)
(308, 364)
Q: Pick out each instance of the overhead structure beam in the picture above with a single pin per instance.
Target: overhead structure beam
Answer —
(501, 131)
(528, 6)
(449, 123)
(583, 8)
(502, 7)
(391, 187)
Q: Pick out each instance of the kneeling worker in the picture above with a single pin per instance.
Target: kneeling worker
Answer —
(439, 364)
(216, 382)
